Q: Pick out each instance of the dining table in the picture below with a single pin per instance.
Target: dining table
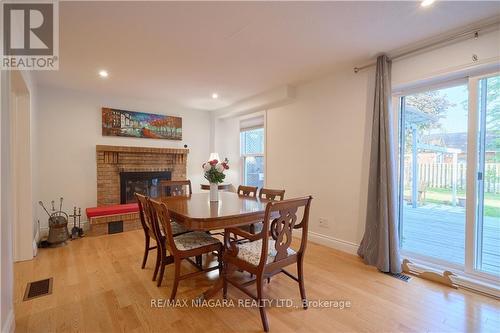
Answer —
(196, 212)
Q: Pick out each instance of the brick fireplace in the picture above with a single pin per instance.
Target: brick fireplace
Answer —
(115, 160)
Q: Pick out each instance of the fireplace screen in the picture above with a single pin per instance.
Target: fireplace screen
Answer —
(144, 182)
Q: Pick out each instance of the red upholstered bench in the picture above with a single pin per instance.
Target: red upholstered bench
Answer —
(116, 218)
(112, 210)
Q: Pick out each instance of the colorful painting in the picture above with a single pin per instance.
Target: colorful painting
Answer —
(140, 125)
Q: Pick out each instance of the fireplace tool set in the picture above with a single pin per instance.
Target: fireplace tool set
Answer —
(76, 232)
(58, 225)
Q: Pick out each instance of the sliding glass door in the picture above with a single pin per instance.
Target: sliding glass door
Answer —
(449, 175)
(488, 207)
(433, 173)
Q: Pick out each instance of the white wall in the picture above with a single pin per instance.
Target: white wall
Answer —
(449, 61)
(318, 143)
(69, 128)
(227, 144)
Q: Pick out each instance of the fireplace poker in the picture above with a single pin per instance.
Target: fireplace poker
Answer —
(60, 205)
(45, 209)
(74, 230)
(80, 229)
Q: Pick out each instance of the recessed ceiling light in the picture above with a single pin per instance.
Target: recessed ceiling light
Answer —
(103, 74)
(215, 95)
(427, 3)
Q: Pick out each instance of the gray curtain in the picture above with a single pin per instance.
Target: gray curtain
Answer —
(380, 244)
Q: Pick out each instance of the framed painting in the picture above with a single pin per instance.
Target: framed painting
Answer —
(140, 125)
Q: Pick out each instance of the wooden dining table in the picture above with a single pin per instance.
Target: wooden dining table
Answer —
(197, 212)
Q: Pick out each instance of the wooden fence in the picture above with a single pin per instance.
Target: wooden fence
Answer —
(440, 175)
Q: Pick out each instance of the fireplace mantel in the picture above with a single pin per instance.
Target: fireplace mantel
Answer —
(111, 160)
(150, 150)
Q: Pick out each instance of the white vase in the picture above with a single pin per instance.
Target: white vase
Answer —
(214, 192)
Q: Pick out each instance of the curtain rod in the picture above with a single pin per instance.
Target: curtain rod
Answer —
(471, 33)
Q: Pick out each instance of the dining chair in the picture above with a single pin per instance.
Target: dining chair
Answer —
(149, 232)
(247, 191)
(184, 246)
(268, 252)
(269, 194)
(176, 188)
(171, 188)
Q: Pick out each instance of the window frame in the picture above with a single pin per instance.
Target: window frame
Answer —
(244, 156)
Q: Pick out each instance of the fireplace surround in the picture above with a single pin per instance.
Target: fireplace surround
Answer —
(112, 161)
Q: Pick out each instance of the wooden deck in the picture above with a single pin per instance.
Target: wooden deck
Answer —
(439, 231)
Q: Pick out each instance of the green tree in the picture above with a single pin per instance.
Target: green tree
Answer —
(493, 116)
(434, 103)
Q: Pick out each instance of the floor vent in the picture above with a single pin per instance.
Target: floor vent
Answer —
(400, 276)
(38, 289)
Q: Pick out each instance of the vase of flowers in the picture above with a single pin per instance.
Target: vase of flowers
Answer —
(214, 173)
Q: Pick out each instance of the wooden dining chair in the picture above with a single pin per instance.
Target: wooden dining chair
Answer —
(247, 191)
(269, 194)
(269, 251)
(191, 244)
(150, 232)
(171, 188)
(176, 188)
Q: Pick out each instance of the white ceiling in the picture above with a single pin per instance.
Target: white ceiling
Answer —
(182, 52)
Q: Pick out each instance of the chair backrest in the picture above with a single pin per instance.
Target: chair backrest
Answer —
(171, 188)
(269, 194)
(247, 191)
(161, 218)
(144, 212)
(282, 215)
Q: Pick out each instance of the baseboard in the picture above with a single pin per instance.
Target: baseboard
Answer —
(335, 243)
(10, 323)
(462, 280)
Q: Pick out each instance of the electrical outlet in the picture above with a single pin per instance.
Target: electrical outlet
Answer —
(323, 223)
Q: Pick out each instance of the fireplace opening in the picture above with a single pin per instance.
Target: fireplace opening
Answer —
(144, 182)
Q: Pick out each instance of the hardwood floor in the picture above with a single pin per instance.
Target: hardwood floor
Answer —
(100, 287)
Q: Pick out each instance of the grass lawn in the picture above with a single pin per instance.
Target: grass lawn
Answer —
(443, 196)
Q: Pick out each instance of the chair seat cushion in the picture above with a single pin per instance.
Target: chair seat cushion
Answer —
(251, 251)
(193, 240)
(178, 228)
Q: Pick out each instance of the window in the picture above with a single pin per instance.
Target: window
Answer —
(449, 176)
(252, 154)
